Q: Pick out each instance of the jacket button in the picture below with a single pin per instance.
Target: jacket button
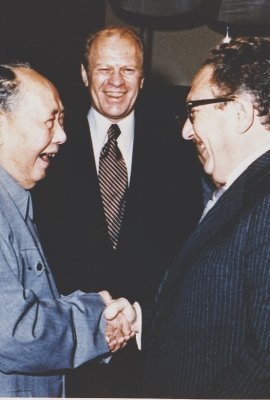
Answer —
(39, 267)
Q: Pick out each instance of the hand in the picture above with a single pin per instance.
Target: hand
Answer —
(118, 333)
(123, 307)
(121, 316)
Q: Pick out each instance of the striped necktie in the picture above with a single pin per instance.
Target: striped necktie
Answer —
(113, 183)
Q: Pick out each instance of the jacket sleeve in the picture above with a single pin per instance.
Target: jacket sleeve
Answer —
(40, 333)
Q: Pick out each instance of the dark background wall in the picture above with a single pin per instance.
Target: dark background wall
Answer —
(49, 33)
(178, 35)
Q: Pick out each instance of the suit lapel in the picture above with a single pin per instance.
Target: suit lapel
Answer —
(87, 147)
(137, 154)
(136, 185)
(250, 185)
(222, 213)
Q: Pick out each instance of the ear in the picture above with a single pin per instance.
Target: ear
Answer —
(5, 119)
(244, 113)
(84, 75)
(141, 84)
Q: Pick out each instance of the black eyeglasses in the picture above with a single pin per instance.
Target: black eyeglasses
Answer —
(195, 103)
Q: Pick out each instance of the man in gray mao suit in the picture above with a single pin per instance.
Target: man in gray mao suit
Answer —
(41, 332)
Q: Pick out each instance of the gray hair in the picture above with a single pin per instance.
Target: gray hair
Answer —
(9, 84)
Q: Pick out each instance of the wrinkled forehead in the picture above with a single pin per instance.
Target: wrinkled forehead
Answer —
(34, 86)
(116, 41)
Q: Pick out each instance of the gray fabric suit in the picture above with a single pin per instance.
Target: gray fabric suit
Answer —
(41, 333)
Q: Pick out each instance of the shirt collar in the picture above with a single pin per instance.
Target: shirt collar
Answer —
(244, 165)
(19, 195)
(100, 125)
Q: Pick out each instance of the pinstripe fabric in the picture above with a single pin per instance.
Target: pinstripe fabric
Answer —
(113, 180)
(210, 336)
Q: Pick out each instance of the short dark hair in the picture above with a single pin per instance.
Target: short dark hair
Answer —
(111, 30)
(243, 65)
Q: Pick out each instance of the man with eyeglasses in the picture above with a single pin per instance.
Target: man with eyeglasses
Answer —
(210, 330)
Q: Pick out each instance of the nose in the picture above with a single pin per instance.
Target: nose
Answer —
(116, 78)
(187, 131)
(59, 136)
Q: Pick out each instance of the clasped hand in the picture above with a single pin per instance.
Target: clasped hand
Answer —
(121, 319)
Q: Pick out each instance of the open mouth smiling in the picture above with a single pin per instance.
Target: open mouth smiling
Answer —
(47, 157)
(115, 95)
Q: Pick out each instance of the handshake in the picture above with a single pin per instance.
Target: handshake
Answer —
(123, 321)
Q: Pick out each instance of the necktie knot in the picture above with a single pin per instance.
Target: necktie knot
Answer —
(113, 132)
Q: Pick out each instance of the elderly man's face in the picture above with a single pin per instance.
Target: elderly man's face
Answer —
(31, 133)
(212, 129)
(115, 76)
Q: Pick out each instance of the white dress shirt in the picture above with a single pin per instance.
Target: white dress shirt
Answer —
(99, 126)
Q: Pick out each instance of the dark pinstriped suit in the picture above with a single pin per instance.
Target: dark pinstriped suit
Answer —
(210, 336)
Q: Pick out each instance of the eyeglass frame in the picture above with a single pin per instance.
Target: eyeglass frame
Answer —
(195, 103)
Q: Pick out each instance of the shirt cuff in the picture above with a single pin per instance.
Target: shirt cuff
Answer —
(138, 325)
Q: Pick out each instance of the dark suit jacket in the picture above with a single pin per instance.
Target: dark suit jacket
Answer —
(163, 205)
(210, 336)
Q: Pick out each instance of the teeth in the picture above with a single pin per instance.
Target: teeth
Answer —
(47, 156)
(113, 94)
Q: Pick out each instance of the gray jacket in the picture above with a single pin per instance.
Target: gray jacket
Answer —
(41, 332)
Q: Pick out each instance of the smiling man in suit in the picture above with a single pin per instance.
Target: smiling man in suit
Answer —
(158, 207)
(210, 332)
